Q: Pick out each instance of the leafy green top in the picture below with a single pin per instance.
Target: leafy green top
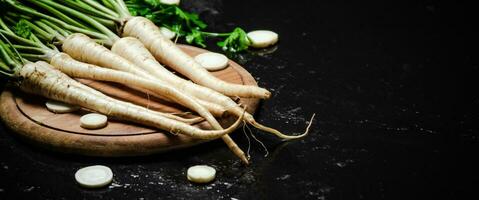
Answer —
(186, 24)
(22, 29)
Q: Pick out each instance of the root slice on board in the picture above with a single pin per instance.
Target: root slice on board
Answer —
(93, 121)
(212, 61)
(60, 107)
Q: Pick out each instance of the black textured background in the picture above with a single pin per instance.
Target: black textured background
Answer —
(394, 86)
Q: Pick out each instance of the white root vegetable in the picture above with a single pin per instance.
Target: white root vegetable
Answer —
(167, 33)
(133, 50)
(82, 48)
(215, 109)
(169, 54)
(262, 38)
(70, 81)
(95, 176)
(212, 61)
(201, 174)
(47, 82)
(93, 121)
(60, 107)
(101, 95)
(77, 69)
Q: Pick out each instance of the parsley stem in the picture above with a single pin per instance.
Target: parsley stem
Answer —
(29, 48)
(7, 56)
(81, 16)
(65, 25)
(4, 26)
(162, 11)
(18, 38)
(4, 69)
(102, 9)
(211, 34)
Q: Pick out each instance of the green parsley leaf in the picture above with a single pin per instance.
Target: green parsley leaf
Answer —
(187, 25)
(22, 29)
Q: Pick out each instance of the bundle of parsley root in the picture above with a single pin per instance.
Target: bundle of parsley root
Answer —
(45, 44)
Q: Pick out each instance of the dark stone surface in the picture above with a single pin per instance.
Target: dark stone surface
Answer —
(394, 86)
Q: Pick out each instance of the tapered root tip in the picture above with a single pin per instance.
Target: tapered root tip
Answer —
(267, 94)
(244, 160)
(281, 135)
(256, 92)
(195, 120)
(243, 157)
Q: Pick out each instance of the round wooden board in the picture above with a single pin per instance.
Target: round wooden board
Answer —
(29, 118)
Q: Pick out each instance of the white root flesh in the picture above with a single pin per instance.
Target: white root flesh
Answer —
(71, 81)
(47, 82)
(262, 38)
(95, 176)
(93, 121)
(212, 61)
(170, 2)
(215, 109)
(201, 174)
(169, 54)
(60, 107)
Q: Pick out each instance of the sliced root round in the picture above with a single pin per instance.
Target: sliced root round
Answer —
(212, 61)
(93, 121)
(201, 174)
(170, 2)
(95, 176)
(60, 107)
(262, 38)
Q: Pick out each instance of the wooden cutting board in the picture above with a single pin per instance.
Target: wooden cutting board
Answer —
(28, 117)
